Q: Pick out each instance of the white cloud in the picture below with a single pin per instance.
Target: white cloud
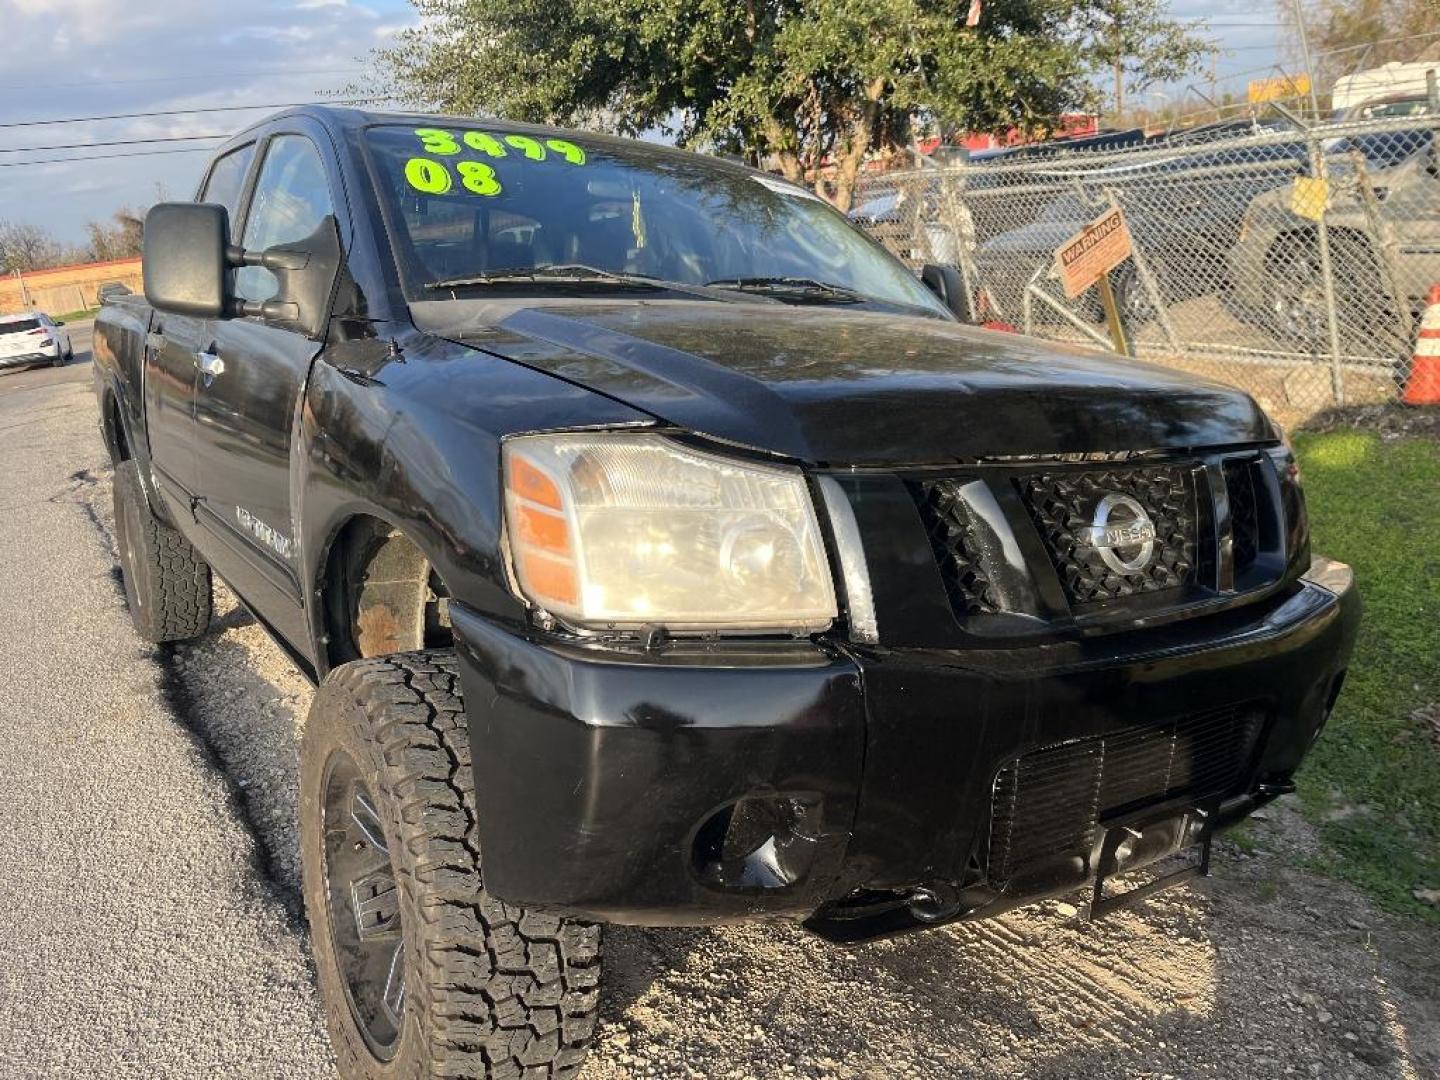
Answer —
(66, 58)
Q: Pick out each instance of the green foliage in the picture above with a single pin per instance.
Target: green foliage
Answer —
(1372, 782)
(1141, 43)
(799, 81)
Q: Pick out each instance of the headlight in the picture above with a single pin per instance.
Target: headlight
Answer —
(621, 530)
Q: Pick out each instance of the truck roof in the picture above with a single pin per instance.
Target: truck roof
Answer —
(341, 119)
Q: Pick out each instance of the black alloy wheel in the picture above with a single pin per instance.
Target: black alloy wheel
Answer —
(366, 927)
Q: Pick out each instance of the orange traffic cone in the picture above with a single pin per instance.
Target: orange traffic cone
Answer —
(1423, 385)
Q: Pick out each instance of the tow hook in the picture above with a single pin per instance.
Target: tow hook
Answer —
(932, 903)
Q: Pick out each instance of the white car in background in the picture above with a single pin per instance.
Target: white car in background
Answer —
(32, 337)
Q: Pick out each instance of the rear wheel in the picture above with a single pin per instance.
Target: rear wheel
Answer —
(1295, 304)
(423, 974)
(167, 583)
(1132, 298)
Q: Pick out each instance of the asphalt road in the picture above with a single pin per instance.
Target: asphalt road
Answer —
(149, 918)
(141, 938)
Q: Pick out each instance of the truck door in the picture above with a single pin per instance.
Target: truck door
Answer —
(172, 355)
(246, 400)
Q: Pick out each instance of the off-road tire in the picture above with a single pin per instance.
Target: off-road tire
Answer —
(490, 990)
(167, 583)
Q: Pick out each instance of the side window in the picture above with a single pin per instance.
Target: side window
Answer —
(291, 199)
(227, 179)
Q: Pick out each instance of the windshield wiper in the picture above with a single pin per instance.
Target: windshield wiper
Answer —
(792, 286)
(576, 273)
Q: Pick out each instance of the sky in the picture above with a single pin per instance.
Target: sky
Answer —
(80, 58)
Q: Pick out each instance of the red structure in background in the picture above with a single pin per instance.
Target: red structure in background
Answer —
(1072, 126)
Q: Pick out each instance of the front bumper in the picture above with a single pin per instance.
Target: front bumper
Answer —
(610, 784)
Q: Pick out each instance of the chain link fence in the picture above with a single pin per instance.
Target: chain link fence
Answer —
(1291, 262)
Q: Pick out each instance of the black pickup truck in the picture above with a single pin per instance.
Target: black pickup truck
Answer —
(660, 543)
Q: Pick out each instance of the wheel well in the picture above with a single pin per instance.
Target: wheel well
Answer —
(1308, 237)
(115, 431)
(381, 594)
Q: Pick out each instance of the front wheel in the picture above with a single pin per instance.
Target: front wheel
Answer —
(423, 974)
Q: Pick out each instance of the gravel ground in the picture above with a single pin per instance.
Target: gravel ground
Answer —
(155, 917)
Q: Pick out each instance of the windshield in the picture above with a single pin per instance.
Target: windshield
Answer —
(467, 203)
(1404, 107)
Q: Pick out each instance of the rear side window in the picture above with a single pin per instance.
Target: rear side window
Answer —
(291, 199)
(227, 179)
(19, 326)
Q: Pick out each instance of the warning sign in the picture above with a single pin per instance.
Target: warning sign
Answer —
(1095, 250)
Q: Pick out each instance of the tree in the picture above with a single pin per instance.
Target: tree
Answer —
(26, 247)
(796, 82)
(122, 239)
(1141, 46)
(1350, 35)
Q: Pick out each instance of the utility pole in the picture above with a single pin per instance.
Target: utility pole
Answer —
(1309, 66)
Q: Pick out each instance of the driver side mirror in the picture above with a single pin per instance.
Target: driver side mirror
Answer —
(948, 283)
(187, 256)
(183, 260)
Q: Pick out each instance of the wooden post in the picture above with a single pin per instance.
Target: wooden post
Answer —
(1112, 316)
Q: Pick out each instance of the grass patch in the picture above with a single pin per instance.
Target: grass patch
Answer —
(1243, 838)
(76, 316)
(1372, 783)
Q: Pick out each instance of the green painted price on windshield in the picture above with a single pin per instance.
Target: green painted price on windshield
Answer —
(431, 177)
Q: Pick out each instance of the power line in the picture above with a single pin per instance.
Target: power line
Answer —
(186, 78)
(115, 142)
(184, 112)
(103, 157)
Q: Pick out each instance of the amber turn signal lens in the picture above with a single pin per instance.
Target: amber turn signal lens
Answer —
(551, 581)
(542, 530)
(531, 483)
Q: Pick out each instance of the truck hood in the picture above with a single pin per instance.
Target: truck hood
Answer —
(843, 386)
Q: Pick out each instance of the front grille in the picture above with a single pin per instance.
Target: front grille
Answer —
(952, 536)
(1063, 505)
(1244, 513)
(1048, 805)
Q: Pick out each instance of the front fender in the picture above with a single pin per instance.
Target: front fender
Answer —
(416, 444)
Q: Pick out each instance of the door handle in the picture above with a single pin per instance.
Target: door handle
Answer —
(210, 366)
